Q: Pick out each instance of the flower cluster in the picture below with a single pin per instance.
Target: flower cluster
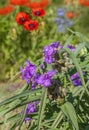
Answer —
(63, 20)
(50, 51)
(76, 79)
(31, 108)
(42, 76)
(24, 18)
(31, 74)
(45, 79)
(37, 10)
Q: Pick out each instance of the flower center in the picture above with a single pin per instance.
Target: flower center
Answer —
(38, 13)
(31, 25)
(22, 20)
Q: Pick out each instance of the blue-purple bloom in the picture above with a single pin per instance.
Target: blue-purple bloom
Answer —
(63, 21)
(49, 52)
(72, 48)
(61, 12)
(45, 79)
(28, 72)
(31, 108)
(76, 79)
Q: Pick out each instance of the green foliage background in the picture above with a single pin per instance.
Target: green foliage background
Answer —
(17, 45)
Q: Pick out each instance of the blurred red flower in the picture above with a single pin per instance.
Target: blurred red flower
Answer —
(19, 2)
(41, 4)
(22, 17)
(31, 25)
(6, 10)
(70, 15)
(38, 12)
(84, 2)
(44, 3)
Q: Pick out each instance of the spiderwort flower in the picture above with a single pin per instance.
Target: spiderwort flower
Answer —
(29, 72)
(72, 48)
(76, 79)
(45, 79)
(49, 52)
(31, 108)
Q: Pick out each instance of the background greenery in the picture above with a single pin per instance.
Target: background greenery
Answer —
(17, 45)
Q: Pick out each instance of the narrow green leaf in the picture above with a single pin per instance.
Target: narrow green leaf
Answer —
(77, 90)
(69, 111)
(19, 104)
(69, 40)
(23, 116)
(42, 107)
(24, 94)
(58, 119)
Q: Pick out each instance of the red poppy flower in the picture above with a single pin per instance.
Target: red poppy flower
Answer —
(84, 2)
(39, 12)
(19, 2)
(70, 15)
(22, 17)
(41, 4)
(44, 3)
(6, 10)
(31, 25)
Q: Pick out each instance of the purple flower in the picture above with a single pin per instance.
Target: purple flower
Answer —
(61, 12)
(45, 79)
(49, 52)
(28, 72)
(27, 119)
(76, 79)
(59, 20)
(55, 44)
(31, 108)
(49, 59)
(77, 82)
(72, 48)
(34, 84)
(63, 21)
(74, 76)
